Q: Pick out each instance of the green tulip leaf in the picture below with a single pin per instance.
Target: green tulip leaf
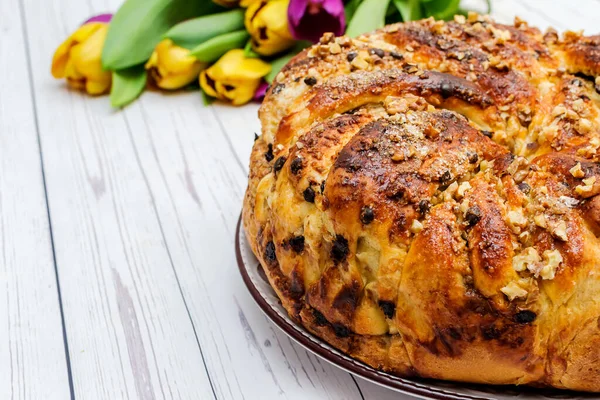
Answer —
(191, 33)
(350, 8)
(138, 26)
(127, 85)
(276, 66)
(369, 15)
(410, 10)
(248, 52)
(214, 48)
(206, 99)
(441, 9)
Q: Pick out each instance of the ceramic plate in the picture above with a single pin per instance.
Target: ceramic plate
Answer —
(268, 302)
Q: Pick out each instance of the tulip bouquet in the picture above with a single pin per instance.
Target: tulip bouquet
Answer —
(231, 49)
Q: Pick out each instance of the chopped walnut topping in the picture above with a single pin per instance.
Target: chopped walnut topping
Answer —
(578, 105)
(416, 226)
(517, 219)
(559, 230)
(540, 220)
(462, 188)
(587, 189)
(551, 260)
(524, 237)
(559, 110)
(327, 37)
(519, 23)
(576, 171)
(587, 151)
(501, 35)
(450, 190)
(398, 156)
(361, 61)
(335, 48)
(572, 115)
(528, 257)
(460, 19)
(584, 126)
(513, 291)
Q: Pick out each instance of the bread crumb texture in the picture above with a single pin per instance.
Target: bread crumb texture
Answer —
(424, 198)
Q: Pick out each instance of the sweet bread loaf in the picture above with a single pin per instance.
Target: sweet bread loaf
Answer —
(424, 198)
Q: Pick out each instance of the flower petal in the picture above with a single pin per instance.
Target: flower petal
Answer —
(273, 18)
(296, 11)
(207, 84)
(95, 87)
(86, 56)
(59, 60)
(105, 18)
(326, 16)
(171, 82)
(260, 92)
(335, 8)
(173, 58)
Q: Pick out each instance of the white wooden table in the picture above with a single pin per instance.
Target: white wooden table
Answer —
(118, 277)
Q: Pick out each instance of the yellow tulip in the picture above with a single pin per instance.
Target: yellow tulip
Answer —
(267, 23)
(172, 67)
(78, 59)
(234, 77)
(247, 3)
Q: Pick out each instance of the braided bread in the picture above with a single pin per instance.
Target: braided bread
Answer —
(424, 198)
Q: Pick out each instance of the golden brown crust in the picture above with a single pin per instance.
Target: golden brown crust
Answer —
(427, 201)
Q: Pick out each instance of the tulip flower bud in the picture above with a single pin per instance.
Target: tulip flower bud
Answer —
(247, 3)
(234, 77)
(78, 58)
(172, 67)
(310, 19)
(267, 23)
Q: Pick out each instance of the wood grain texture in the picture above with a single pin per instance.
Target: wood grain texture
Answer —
(32, 352)
(197, 184)
(129, 332)
(559, 14)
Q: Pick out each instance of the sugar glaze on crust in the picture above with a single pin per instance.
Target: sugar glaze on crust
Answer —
(424, 198)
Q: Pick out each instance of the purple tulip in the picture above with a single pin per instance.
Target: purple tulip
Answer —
(259, 95)
(100, 18)
(310, 19)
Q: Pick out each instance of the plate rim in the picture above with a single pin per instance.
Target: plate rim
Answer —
(357, 368)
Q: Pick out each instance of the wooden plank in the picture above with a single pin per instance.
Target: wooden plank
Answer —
(198, 184)
(33, 362)
(129, 332)
(560, 14)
